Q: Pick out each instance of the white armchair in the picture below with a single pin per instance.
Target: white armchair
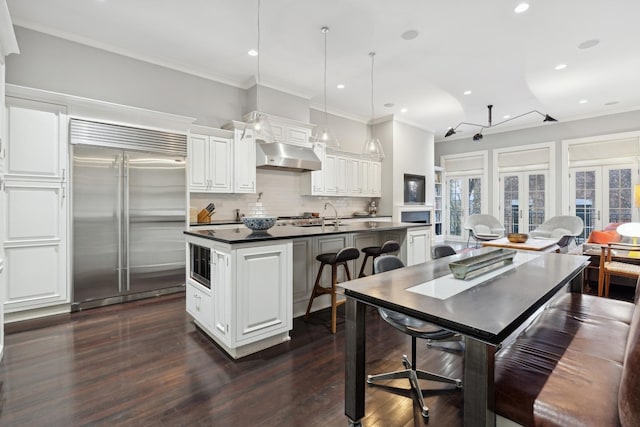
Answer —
(483, 227)
(563, 228)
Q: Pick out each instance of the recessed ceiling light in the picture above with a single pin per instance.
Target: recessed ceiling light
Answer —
(253, 52)
(506, 116)
(340, 86)
(467, 92)
(522, 7)
(410, 34)
(611, 103)
(589, 43)
(583, 101)
(403, 110)
(389, 105)
(560, 66)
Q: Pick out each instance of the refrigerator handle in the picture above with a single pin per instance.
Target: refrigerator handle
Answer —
(125, 223)
(118, 171)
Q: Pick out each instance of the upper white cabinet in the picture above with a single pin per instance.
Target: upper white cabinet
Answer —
(287, 130)
(244, 164)
(35, 206)
(210, 163)
(219, 162)
(343, 174)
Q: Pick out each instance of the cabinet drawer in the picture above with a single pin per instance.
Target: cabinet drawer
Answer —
(199, 305)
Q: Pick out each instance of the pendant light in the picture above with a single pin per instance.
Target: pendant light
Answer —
(258, 125)
(323, 133)
(372, 146)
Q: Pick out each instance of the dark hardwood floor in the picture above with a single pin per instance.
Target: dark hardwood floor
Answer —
(144, 363)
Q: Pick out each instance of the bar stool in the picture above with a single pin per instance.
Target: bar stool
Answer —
(374, 252)
(334, 260)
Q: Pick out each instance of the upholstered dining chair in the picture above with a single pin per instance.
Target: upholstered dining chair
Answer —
(483, 227)
(563, 228)
(441, 251)
(416, 328)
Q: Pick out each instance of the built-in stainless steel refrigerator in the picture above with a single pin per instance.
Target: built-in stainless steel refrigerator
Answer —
(129, 204)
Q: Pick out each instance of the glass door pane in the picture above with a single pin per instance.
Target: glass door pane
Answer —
(455, 207)
(537, 200)
(620, 200)
(510, 202)
(474, 196)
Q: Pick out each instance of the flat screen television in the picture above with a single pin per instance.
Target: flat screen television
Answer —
(414, 189)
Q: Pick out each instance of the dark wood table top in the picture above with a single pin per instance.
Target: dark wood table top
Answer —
(489, 311)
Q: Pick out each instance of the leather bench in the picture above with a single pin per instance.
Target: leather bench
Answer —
(577, 364)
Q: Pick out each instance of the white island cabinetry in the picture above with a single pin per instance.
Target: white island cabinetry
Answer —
(248, 305)
(418, 245)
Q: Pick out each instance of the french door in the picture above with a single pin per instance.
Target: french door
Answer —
(524, 200)
(602, 194)
(464, 199)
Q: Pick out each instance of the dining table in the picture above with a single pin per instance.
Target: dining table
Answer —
(531, 244)
(488, 309)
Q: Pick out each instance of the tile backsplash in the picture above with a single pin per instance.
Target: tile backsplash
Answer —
(281, 197)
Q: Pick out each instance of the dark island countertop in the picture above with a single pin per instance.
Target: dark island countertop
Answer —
(242, 234)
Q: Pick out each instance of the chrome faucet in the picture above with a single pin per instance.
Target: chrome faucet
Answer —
(335, 211)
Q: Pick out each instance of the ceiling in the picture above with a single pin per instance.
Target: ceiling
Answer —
(505, 59)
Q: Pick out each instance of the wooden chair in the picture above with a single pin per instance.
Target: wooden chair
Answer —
(614, 260)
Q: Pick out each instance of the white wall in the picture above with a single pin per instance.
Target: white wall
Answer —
(551, 132)
(351, 133)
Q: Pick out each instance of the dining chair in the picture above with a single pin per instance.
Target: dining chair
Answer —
(416, 328)
(615, 260)
(441, 251)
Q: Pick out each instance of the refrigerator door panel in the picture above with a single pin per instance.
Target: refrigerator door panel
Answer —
(156, 214)
(96, 222)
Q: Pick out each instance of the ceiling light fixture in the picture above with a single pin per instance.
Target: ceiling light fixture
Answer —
(323, 133)
(252, 52)
(560, 67)
(467, 92)
(583, 101)
(258, 127)
(372, 146)
(403, 110)
(340, 86)
(522, 7)
(478, 136)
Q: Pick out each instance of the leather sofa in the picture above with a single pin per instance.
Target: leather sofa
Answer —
(577, 364)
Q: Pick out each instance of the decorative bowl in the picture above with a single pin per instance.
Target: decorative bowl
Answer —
(258, 223)
(517, 237)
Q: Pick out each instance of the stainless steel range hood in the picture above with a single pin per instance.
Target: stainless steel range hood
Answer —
(277, 155)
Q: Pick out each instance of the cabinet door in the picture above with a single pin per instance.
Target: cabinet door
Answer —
(221, 290)
(198, 161)
(264, 285)
(302, 274)
(341, 175)
(365, 180)
(355, 186)
(329, 169)
(419, 246)
(37, 140)
(296, 135)
(221, 164)
(199, 305)
(35, 245)
(375, 176)
(244, 164)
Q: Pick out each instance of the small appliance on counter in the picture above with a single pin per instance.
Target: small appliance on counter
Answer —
(373, 209)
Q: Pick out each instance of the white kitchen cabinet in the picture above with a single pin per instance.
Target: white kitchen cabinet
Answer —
(287, 130)
(221, 294)
(249, 302)
(244, 164)
(35, 209)
(210, 163)
(329, 169)
(418, 245)
(199, 304)
(315, 180)
(375, 179)
(342, 184)
(264, 285)
(355, 180)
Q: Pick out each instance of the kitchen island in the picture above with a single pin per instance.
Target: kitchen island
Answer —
(244, 288)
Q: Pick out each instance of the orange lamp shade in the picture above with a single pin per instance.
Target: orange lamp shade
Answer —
(637, 196)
